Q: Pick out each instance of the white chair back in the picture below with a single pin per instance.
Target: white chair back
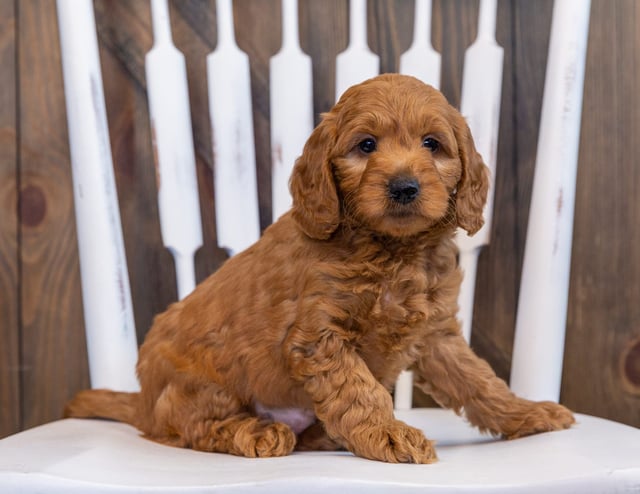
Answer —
(235, 168)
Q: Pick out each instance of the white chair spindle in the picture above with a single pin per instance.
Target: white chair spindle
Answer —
(421, 60)
(357, 63)
(536, 372)
(172, 136)
(106, 296)
(291, 93)
(230, 110)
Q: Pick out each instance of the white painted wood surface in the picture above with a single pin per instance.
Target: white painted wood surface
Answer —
(357, 63)
(421, 60)
(230, 110)
(291, 93)
(480, 105)
(538, 350)
(168, 96)
(106, 296)
(90, 457)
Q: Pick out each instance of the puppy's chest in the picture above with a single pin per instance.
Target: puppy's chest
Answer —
(393, 304)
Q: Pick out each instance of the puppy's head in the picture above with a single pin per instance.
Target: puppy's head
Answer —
(394, 156)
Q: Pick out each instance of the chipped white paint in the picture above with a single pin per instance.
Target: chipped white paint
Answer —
(291, 92)
(480, 105)
(230, 110)
(106, 295)
(421, 60)
(357, 63)
(178, 201)
(536, 372)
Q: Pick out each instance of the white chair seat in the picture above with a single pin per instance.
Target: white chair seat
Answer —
(72, 455)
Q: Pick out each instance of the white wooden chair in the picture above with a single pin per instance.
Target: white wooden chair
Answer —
(82, 456)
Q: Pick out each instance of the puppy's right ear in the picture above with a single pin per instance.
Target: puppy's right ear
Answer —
(316, 207)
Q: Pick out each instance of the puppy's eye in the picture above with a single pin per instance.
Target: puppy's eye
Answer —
(368, 145)
(431, 144)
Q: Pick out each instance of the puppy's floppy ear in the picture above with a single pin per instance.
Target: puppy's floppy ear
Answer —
(473, 186)
(316, 207)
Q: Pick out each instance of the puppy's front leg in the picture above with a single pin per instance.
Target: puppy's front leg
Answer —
(457, 378)
(356, 410)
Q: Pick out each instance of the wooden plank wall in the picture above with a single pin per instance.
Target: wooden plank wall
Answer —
(42, 346)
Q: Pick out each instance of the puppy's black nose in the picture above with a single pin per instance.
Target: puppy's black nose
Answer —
(403, 189)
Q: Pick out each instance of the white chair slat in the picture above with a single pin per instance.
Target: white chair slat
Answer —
(291, 106)
(230, 110)
(108, 311)
(536, 371)
(357, 63)
(172, 136)
(421, 60)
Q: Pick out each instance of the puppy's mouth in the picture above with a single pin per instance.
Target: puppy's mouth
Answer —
(402, 212)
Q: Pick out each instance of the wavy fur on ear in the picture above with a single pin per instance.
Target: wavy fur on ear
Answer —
(473, 186)
(316, 207)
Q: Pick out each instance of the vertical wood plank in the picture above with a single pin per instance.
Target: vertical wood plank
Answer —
(53, 340)
(602, 357)
(9, 244)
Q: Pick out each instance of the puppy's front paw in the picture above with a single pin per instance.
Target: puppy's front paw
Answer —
(542, 416)
(395, 442)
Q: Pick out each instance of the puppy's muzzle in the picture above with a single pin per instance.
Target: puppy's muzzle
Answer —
(403, 190)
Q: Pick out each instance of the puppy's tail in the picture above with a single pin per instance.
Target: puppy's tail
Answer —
(105, 404)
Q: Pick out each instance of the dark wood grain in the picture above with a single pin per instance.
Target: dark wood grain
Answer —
(604, 314)
(10, 420)
(53, 353)
(43, 356)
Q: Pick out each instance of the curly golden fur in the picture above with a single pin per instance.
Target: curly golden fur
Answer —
(297, 341)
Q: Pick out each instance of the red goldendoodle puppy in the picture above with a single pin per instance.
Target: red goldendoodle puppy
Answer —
(297, 341)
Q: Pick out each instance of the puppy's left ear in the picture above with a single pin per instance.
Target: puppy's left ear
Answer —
(316, 207)
(473, 186)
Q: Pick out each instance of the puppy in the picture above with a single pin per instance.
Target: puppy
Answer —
(297, 341)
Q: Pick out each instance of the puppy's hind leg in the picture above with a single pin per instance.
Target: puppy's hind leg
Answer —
(460, 380)
(206, 417)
